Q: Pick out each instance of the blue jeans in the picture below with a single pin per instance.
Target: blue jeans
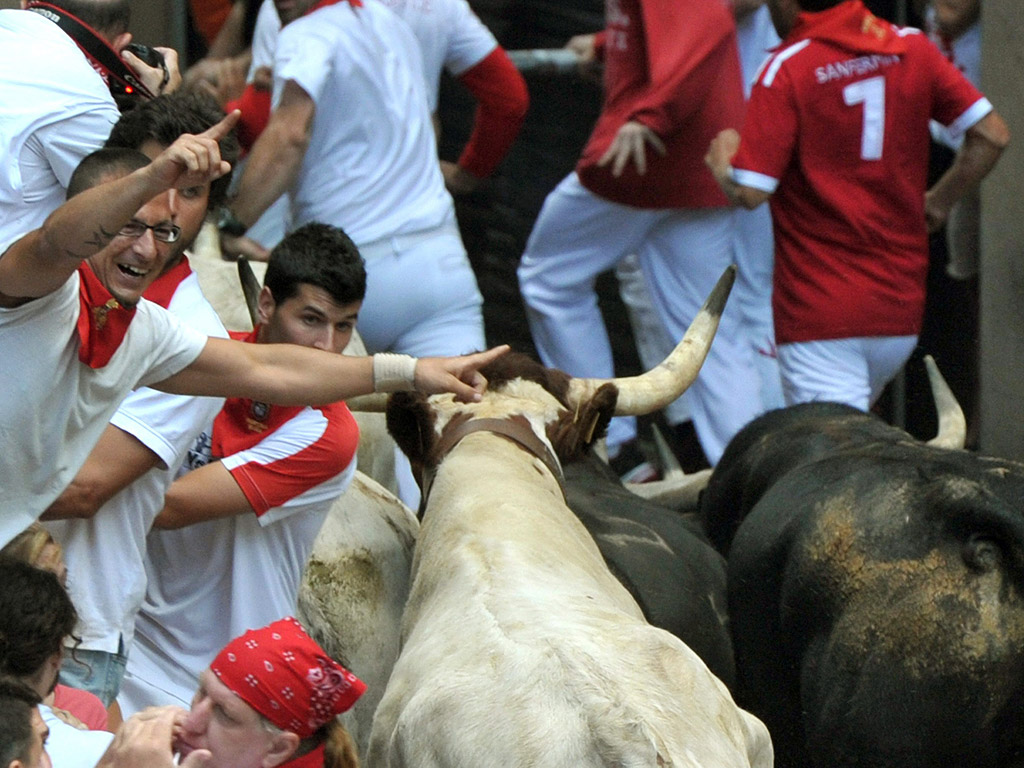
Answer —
(99, 672)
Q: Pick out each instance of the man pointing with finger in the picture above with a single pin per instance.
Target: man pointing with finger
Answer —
(671, 81)
(76, 336)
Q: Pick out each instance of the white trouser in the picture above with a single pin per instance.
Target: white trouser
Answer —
(852, 371)
(421, 295)
(752, 295)
(682, 253)
(421, 299)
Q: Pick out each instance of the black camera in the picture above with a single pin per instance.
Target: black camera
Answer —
(127, 93)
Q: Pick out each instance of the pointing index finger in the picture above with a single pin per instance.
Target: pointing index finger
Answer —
(224, 127)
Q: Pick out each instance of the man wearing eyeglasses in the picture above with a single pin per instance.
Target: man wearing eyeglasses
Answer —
(75, 337)
(113, 499)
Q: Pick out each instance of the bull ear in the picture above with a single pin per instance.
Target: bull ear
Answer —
(574, 432)
(410, 422)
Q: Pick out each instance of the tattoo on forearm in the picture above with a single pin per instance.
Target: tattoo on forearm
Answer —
(99, 238)
(93, 243)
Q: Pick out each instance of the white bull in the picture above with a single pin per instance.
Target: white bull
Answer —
(519, 646)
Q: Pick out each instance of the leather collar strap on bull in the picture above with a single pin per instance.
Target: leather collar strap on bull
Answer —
(516, 428)
(118, 76)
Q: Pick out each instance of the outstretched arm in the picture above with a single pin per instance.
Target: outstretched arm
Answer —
(287, 374)
(984, 142)
(42, 260)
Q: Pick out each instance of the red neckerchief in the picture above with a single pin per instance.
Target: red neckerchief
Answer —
(242, 423)
(102, 321)
(161, 290)
(848, 25)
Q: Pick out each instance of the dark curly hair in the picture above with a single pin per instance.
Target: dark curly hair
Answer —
(36, 615)
(167, 117)
(320, 255)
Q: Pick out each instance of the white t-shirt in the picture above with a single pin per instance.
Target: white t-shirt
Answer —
(449, 33)
(371, 166)
(105, 555)
(56, 110)
(53, 407)
(69, 747)
(210, 582)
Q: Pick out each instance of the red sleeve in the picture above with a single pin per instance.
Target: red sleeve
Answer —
(685, 45)
(768, 138)
(953, 93)
(255, 106)
(600, 44)
(502, 101)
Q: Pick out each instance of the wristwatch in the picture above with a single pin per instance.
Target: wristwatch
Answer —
(229, 224)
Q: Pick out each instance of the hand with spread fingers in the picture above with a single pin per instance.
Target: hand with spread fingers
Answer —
(630, 145)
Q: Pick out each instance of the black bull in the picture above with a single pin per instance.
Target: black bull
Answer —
(875, 592)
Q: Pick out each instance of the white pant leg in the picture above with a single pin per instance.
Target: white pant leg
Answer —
(421, 295)
(577, 236)
(682, 260)
(853, 371)
(653, 343)
(754, 256)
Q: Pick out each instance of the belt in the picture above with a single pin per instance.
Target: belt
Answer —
(394, 245)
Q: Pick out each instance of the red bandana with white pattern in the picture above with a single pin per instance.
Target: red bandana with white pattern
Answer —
(282, 673)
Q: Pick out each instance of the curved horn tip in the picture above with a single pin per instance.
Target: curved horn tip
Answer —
(952, 431)
(715, 302)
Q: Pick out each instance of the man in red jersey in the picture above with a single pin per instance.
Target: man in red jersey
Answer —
(672, 82)
(837, 136)
(256, 486)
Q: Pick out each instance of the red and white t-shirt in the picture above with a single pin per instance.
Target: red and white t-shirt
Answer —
(211, 581)
(837, 129)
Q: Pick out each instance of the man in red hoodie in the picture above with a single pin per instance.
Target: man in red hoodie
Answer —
(672, 82)
(837, 136)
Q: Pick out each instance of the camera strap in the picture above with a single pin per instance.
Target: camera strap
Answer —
(116, 73)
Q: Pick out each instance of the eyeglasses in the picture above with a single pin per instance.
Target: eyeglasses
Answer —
(165, 233)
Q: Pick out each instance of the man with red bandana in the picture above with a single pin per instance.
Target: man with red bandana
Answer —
(837, 136)
(270, 698)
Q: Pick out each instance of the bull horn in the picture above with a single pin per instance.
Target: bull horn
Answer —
(665, 382)
(373, 403)
(952, 432)
(250, 289)
(679, 493)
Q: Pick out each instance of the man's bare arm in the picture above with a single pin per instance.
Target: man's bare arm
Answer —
(984, 142)
(719, 160)
(118, 460)
(287, 374)
(207, 493)
(276, 157)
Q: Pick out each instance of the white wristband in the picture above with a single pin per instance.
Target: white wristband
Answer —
(393, 373)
